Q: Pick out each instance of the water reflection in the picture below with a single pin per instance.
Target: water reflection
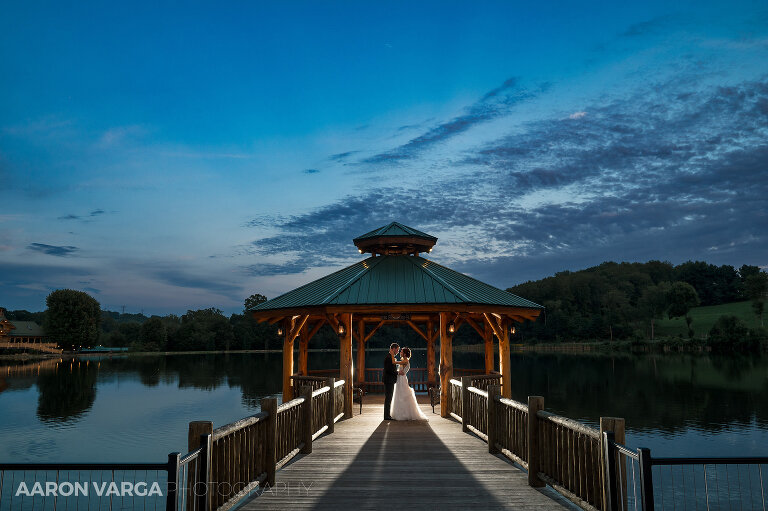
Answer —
(123, 408)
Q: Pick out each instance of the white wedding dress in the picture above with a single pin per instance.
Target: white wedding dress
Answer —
(404, 405)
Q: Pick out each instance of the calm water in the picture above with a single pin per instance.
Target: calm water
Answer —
(136, 408)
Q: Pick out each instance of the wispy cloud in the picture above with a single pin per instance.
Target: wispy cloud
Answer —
(493, 104)
(54, 250)
(311, 171)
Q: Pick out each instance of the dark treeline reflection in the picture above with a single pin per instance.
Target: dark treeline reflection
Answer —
(66, 393)
(664, 392)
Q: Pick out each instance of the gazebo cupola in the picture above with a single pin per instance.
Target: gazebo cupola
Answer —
(395, 239)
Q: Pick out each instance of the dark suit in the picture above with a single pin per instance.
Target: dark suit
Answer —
(389, 378)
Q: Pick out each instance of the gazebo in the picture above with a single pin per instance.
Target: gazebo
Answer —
(394, 284)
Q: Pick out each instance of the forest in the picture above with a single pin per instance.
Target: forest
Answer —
(610, 302)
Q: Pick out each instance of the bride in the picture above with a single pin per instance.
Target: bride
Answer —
(404, 405)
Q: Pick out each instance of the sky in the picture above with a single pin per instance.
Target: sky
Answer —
(172, 156)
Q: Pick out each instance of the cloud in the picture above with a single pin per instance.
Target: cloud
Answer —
(311, 171)
(54, 250)
(577, 115)
(493, 104)
(674, 171)
(339, 157)
(180, 278)
(84, 218)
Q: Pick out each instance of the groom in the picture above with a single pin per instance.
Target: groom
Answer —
(389, 378)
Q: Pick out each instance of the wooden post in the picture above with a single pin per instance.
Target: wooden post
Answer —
(466, 382)
(616, 426)
(360, 353)
(345, 362)
(303, 350)
(197, 431)
(611, 502)
(488, 338)
(269, 405)
(172, 497)
(287, 360)
(306, 393)
(493, 391)
(535, 403)
(431, 352)
(646, 478)
(446, 365)
(331, 382)
(504, 360)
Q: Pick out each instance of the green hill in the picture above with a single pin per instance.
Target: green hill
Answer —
(705, 317)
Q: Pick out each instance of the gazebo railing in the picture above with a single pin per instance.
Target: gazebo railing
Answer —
(418, 378)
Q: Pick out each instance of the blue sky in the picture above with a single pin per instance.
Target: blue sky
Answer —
(173, 156)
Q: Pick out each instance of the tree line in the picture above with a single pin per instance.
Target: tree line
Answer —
(612, 301)
(623, 301)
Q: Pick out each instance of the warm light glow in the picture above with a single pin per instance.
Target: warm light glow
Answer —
(279, 331)
(513, 330)
(451, 327)
(360, 250)
(341, 329)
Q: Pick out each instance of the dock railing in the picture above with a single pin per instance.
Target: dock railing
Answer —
(555, 450)
(234, 460)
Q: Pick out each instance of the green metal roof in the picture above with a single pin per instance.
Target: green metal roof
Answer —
(26, 329)
(395, 229)
(397, 279)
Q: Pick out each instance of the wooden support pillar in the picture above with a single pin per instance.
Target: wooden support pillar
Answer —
(493, 433)
(360, 369)
(446, 364)
(287, 360)
(303, 350)
(431, 352)
(488, 338)
(504, 361)
(616, 426)
(345, 362)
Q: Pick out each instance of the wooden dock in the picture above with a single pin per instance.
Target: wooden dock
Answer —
(371, 464)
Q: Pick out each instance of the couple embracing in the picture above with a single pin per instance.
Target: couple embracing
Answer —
(399, 398)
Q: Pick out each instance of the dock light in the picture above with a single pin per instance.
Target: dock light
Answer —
(513, 330)
(451, 327)
(360, 250)
(341, 329)
(279, 331)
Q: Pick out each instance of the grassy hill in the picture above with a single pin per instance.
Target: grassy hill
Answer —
(705, 317)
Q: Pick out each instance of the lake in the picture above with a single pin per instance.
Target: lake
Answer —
(136, 407)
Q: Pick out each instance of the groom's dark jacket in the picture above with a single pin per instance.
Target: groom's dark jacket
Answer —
(390, 371)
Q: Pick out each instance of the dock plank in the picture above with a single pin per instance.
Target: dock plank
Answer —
(371, 464)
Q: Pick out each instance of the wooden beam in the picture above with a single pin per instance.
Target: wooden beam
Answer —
(345, 362)
(303, 351)
(446, 364)
(331, 319)
(431, 352)
(273, 320)
(492, 324)
(488, 340)
(287, 360)
(370, 334)
(298, 326)
(360, 369)
(505, 362)
(421, 309)
(417, 329)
